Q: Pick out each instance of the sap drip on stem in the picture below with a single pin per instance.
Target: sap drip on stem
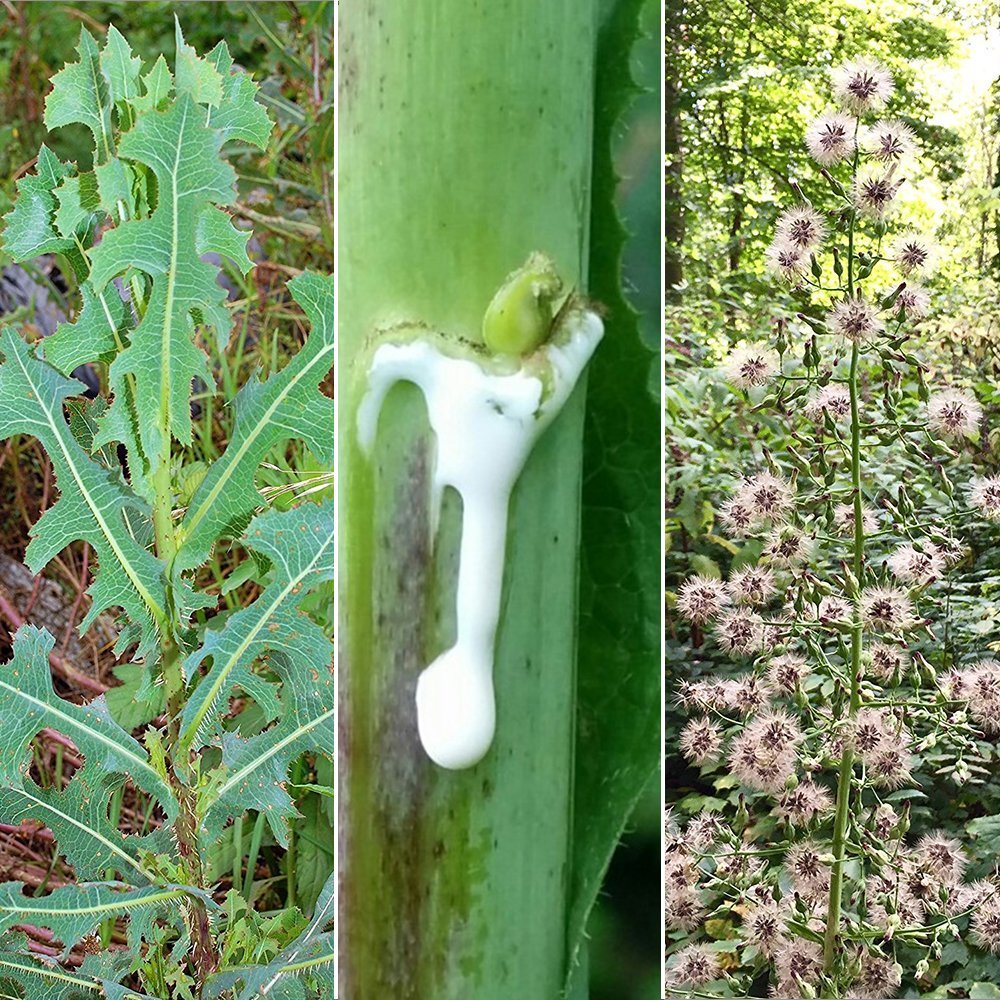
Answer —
(485, 424)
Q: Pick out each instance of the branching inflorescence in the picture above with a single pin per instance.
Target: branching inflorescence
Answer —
(817, 883)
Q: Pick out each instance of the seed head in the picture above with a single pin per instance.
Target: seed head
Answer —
(740, 632)
(985, 496)
(764, 926)
(736, 516)
(679, 871)
(785, 673)
(684, 908)
(986, 924)
(835, 609)
(951, 549)
(777, 726)
(694, 965)
(751, 365)
(761, 766)
(701, 598)
(787, 545)
(943, 855)
(799, 806)
(887, 661)
(801, 227)
(889, 767)
(855, 319)
(884, 820)
(912, 252)
(767, 496)
(833, 399)
(702, 694)
(703, 831)
(953, 412)
(787, 261)
(870, 732)
(701, 741)
(956, 684)
(797, 963)
(745, 695)
(843, 519)
(917, 566)
(889, 140)
(806, 869)
(886, 609)
(879, 978)
(862, 85)
(875, 190)
(968, 895)
(753, 585)
(979, 685)
(830, 138)
(913, 302)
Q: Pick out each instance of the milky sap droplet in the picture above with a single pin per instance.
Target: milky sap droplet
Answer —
(485, 424)
(456, 714)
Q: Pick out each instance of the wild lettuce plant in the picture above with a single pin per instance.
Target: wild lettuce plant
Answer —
(245, 695)
(815, 884)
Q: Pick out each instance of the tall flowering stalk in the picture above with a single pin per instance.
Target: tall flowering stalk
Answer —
(815, 880)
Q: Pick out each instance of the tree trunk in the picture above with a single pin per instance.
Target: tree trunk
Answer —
(673, 206)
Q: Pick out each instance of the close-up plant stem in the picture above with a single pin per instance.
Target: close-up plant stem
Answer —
(454, 883)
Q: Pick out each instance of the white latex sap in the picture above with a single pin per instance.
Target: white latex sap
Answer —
(485, 426)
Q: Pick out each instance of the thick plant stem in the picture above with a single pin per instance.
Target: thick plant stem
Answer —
(465, 141)
(845, 780)
(186, 828)
(166, 549)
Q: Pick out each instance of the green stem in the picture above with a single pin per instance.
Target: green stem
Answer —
(465, 138)
(845, 780)
(204, 955)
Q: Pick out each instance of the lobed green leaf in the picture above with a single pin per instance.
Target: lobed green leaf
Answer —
(30, 224)
(120, 67)
(288, 405)
(619, 673)
(92, 502)
(274, 630)
(162, 357)
(312, 953)
(74, 911)
(77, 815)
(42, 979)
(80, 94)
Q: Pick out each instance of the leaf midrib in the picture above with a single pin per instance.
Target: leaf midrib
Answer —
(167, 336)
(191, 730)
(94, 71)
(115, 906)
(90, 831)
(95, 510)
(229, 467)
(95, 734)
(47, 973)
(236, 778)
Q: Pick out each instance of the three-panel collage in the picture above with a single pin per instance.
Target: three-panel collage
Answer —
(499, 500)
